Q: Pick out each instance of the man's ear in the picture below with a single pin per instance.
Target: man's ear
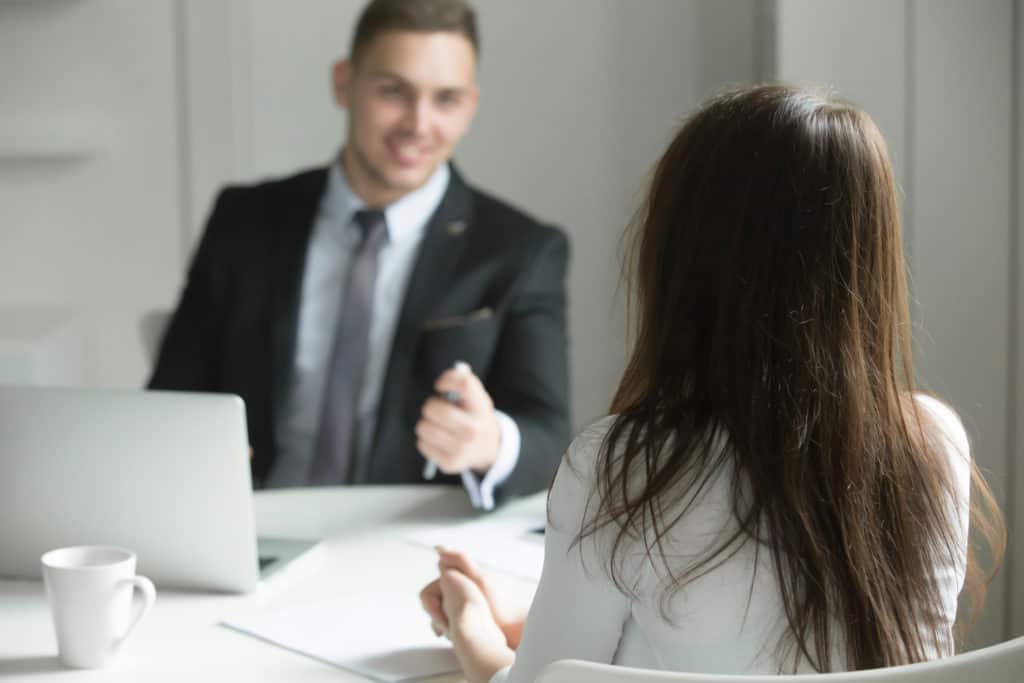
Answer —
(341, 79)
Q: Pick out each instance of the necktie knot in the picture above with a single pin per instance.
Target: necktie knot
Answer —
(373, 228)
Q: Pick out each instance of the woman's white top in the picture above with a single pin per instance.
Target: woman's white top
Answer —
(728, 621)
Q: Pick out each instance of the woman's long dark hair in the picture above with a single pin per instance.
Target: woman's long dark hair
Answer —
(770, 302)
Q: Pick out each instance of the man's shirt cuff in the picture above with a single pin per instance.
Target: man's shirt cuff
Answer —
(481, 491)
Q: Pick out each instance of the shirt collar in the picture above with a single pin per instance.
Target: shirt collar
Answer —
(407, 218)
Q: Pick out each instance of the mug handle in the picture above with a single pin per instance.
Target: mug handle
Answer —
(148, 598)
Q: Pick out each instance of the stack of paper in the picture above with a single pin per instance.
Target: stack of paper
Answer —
(514, 545)
(385, 636)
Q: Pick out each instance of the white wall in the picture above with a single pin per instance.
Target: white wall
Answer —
(89, 191)
(938, 76)
(961, 208)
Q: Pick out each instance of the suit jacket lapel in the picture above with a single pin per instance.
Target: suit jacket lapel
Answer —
(439, 252)
(291, 217)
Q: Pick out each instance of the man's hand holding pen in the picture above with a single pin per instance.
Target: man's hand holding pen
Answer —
(458, 429)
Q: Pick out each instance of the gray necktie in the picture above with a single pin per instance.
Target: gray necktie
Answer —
(334, 456)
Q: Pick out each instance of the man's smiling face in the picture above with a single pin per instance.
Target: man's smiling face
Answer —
(410, 98)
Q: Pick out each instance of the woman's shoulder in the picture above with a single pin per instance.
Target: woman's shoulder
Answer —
(591, 438)
(581, 455)
(942, 424)
(576, 476)
(945, 433)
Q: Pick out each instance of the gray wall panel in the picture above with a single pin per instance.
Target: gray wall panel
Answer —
(937, 76)
(961, 208)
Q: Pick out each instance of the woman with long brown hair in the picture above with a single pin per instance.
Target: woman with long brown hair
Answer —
(770, 493)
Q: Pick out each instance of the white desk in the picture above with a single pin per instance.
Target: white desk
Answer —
(181, 640)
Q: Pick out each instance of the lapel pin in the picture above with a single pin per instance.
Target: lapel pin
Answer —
(456, 228)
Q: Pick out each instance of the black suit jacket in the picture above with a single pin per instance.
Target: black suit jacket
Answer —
(488, 287)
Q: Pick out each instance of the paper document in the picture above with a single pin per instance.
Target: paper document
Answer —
(385, 636)
(513, 545)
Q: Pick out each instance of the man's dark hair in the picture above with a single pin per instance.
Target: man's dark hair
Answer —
(425, 16)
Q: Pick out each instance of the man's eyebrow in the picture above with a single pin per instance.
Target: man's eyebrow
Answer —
(388, 75)
(392, 76)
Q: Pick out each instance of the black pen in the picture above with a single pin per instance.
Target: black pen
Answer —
(430, 468)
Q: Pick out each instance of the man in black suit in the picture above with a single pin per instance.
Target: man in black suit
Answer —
(284, 268)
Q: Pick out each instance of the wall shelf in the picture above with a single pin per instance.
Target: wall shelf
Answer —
(69, 137)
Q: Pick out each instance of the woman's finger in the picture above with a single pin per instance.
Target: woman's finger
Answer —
(453, 559)
(431, 599)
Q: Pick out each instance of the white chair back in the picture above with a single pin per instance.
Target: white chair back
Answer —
(1003, 663)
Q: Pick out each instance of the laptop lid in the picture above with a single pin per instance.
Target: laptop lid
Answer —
(165, 474)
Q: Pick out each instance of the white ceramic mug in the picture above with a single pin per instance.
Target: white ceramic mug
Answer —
(90, 589)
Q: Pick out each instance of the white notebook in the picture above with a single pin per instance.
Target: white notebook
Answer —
(513, 544)
(385, 636)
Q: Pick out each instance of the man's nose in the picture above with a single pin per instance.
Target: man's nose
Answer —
(418, 117)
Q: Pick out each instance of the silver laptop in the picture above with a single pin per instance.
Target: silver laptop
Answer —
(165, 474)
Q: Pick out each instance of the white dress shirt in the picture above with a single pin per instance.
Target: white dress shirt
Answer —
(332, 241)
(727, 620)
